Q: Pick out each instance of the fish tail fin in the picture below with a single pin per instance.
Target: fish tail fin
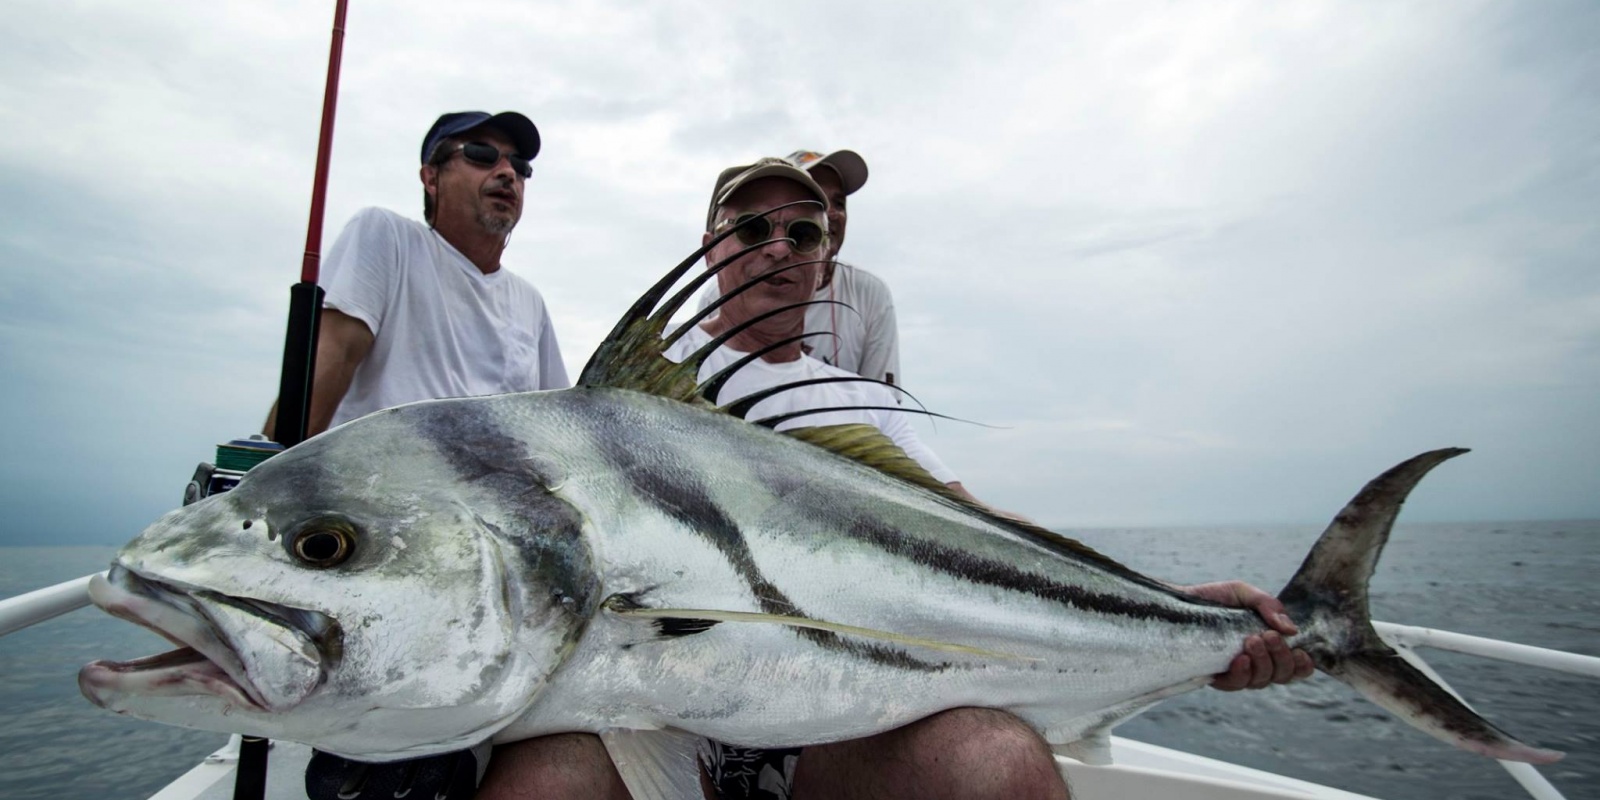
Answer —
(1328, 596)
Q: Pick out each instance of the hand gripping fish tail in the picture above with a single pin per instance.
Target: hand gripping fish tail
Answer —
(1329, 595)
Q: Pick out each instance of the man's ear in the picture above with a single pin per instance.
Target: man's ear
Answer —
(430, 179)
(705, 239)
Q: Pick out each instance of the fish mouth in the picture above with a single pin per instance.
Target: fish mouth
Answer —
(251, 654)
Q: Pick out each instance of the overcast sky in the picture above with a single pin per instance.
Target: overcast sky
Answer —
(1202, 263)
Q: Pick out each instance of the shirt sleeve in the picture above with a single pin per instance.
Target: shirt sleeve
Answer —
(880, 349)
(362, 269)
(552, 370)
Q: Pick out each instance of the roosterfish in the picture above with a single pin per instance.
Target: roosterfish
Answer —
(629, 559)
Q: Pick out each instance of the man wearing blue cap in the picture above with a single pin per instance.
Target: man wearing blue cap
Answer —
(422, 310)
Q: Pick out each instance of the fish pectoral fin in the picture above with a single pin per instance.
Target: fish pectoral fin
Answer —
(666, 625)
(684, 619)
(683, 626)
(656, 765)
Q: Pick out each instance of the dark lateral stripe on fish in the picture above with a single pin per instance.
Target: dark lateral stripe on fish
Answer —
(482, 453)
(968, 566)
(472, 441)
(674, 493)
(691, 505)
(470, 437)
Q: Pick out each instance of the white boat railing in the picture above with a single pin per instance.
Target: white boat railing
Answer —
(1405, 639)
(39, 605)
(44, 604)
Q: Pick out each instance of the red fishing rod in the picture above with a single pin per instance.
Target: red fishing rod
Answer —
(299, 357)
(305, 297)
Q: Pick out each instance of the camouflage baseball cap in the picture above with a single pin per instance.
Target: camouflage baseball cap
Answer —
(733, 178)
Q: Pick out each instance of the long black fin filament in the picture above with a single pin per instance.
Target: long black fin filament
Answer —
(711, 387)
(741, 407)
(716, 303)
(778, 419)
(623, 358)
(728, 335)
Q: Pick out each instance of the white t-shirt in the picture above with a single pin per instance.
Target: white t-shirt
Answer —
(441, 327)
(759, 374)
(867, 342)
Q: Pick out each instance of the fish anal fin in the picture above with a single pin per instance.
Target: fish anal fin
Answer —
(656, 765)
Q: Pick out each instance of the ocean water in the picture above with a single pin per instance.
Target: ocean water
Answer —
(1529, 582)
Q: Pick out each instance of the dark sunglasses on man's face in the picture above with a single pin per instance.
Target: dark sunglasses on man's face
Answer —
(755, 229)
(487, 155)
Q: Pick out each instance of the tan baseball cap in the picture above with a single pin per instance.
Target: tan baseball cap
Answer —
(733, 178)
(852, 168)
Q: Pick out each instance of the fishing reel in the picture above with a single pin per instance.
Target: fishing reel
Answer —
(234, 459)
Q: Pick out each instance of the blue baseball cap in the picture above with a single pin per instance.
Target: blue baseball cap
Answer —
(524, 136)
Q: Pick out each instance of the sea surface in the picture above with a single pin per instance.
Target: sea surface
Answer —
(1528, 582)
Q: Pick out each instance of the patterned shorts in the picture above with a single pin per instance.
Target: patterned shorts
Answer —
(745, 773)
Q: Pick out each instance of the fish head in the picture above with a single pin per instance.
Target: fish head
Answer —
(361, 592)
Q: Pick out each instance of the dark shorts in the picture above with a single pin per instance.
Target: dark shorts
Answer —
(745, 773)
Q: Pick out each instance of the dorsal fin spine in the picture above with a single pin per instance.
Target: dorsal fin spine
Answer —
(614, 361)
(711, 387)
(778, 419)
(741, 407)
(631, 357)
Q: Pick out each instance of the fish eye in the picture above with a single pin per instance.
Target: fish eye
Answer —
(322, 544)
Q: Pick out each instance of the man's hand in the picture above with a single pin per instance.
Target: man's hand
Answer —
(1265, 658)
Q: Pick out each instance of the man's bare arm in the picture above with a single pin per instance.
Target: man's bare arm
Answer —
(342, 344)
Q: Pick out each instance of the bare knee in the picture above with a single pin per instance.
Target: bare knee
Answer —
(993, 754)
(567, 765)
(966, 753)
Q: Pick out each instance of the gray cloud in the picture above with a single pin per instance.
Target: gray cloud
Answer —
(1205, 263)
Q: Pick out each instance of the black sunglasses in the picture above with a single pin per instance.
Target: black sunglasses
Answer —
(804, 234)
(487, 155)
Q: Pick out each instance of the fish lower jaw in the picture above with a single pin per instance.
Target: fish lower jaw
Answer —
(176, 673)
(203, 664)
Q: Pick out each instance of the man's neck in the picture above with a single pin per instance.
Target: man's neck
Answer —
(480, 247)
(828, 269)
(750, 340)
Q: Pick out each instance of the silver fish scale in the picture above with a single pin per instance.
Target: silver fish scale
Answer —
(806, 533)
